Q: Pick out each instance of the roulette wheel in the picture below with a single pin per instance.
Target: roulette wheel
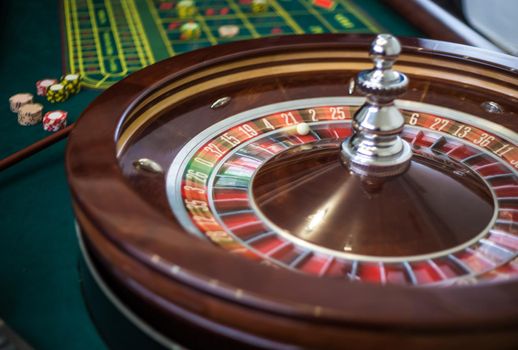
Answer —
(320, 192)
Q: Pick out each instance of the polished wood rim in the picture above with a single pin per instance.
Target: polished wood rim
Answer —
(145, 238)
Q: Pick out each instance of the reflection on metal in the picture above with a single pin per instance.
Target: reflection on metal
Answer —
(220, 102)
(148, 165)
(492, 107)
(375, 148)
(352, 86)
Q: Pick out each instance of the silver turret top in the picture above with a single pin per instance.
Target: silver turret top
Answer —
(375, 148)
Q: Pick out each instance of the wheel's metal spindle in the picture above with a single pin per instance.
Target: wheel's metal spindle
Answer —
(376, 148)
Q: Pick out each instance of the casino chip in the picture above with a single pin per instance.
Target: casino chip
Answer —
(186, 8)
(43, 85)
(259, 6)
(54, 120)
(189, 31)
(326, 4)
(72, 83)
(57, 93)
(19, 100)
(30, 114)
(228, 31)
(276, 31)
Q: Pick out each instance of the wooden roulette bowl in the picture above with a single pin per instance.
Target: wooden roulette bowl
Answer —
(193, 187)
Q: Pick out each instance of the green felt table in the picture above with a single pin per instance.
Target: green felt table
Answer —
(40, 286)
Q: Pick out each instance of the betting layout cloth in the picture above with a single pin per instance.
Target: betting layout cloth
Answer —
(107, 40)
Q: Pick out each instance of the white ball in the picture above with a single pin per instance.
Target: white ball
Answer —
(303, 129)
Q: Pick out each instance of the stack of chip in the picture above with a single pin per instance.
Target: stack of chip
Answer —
(228, 31)
(54, 120)
(30, 114)
(57, 93)
(19, 100)
(43, 85)
(189, 31)
(186, 8)
(72, 83)
(259, 6)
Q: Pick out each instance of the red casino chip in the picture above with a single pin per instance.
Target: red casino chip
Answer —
(54, 120)
(43, 85)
